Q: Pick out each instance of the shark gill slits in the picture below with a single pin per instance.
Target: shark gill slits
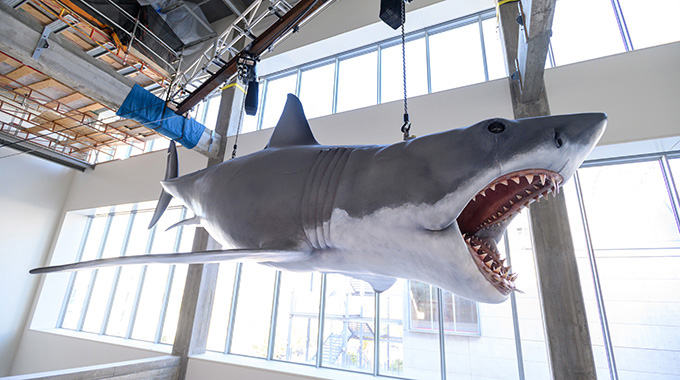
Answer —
(558, 140)
(496, 127)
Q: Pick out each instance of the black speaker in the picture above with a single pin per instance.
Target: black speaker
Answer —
(251, 98)
(390, 12)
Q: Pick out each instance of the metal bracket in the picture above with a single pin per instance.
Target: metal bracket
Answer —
(42, 43)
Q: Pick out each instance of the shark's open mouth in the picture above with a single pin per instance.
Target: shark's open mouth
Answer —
(488, 213)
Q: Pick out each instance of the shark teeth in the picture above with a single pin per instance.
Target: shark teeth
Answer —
(491, 264)
(491, 209)
(518, 189)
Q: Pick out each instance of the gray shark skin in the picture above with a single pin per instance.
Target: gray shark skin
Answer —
(430, 209)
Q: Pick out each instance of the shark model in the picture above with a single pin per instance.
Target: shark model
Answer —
(429, 209)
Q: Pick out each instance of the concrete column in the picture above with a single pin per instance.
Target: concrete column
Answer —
(564, 316)
(199, 290)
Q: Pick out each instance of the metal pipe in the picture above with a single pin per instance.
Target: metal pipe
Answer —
(515, 317)
(275, 312)
(322, 316)
(442, 340)
(232, 311)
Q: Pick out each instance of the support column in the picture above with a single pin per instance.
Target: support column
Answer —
(199, 290)
(564, 316)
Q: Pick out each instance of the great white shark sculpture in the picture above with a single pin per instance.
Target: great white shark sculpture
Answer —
(430, 209)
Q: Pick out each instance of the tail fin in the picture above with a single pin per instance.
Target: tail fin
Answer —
(171, 172)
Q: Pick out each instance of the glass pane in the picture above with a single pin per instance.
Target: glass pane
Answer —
(150, 302)
(530, 316)
(358, 81)
(637, 273)
(297, 322)
(495, 61)
(405, 351)
(174, 303)
(651, 22)
(647, 223)
(587, 284)
(277, 92)
(253, 311)
(82, 278)
(584, 29)
(177, 290)
(156, 279)
(391, 75)
(219, 319)
(126, 290)
(316, 90)
(105, 276)
(349, 324)
(456, 58)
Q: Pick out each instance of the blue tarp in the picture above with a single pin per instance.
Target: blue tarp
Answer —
(142, 106)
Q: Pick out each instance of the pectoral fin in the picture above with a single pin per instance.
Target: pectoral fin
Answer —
(198, 257)
(186, 222)
(378, 283)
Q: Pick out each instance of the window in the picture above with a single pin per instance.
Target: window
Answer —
(456, 57)
(275, 98)
(349, 324)
(358, 81)
(495, 60)
(391, 71)
(651, 22)
(297, 326)
(584, 29)
(133, 302)
(316, 90)
(630, 254)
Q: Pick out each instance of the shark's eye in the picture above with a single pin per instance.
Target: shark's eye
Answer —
(496, 127)
(558, 140)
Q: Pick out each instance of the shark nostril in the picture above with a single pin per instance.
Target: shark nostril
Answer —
(496, 127)
(558, 140)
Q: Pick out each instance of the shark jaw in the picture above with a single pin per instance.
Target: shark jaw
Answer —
(485, 217)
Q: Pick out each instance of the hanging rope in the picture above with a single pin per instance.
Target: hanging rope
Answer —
(406, 127)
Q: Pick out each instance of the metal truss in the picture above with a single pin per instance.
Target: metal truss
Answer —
(227, 45)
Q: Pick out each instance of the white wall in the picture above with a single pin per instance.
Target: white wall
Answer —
(32, 194)
(639, 91)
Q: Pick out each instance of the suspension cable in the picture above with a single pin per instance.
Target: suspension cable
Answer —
(406, 127)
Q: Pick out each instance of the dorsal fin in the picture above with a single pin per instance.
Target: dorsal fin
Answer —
(292, 128)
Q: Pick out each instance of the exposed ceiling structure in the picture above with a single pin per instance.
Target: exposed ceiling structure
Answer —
(169, 47)
(38, 109)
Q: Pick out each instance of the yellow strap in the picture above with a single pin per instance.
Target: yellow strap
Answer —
(235, 84)
(505, 2)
